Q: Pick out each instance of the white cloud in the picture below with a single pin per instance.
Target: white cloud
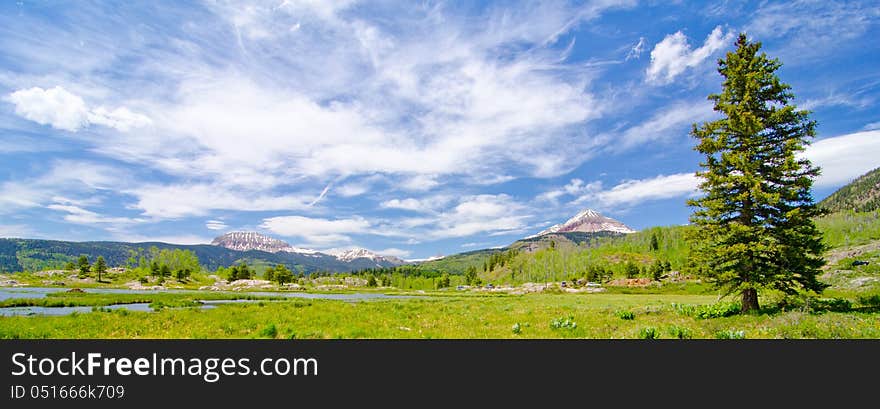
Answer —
(480, 214)
(352, 189)
(844, 158)
(63, 110)
(425, 204)
(420, 183)
(317, 230)
(576, 188)
(836, 99)
(393, 251)
(668, 122)
(120, 118)
(405, 204)
(64, 177)
(812, 27)
(16, 231)
(54, 106)
(420, 104)
(673, 55)
(176, 201)
(216, 225)
(171, 239)
(632, 192)
(78, 215)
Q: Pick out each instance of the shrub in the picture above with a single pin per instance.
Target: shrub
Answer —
(730, 334)
(626, 315)
(563, 322)
(833, 305)
(269, 332)
(870, 301)
(516, 328)
(813, 304)
(649, 333)
(680, 332)
(718, 310)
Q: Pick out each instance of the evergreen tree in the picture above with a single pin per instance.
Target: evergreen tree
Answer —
(244, 273)
(282, 274)
(630, 269)
(100, 267)
(164, 271)
(655, 243)
(753, 227)
(444, 281)
(269, 275)
(470, 275)
(83, 264)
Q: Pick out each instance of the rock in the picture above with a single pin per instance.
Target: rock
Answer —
(249, 283)
(136, 285)
(75, 290)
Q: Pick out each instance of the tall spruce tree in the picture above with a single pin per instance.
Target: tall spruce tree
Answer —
(753, 225)
(100, 267)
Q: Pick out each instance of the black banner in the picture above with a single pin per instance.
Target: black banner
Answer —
(329, 373)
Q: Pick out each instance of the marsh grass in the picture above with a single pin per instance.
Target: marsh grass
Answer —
(594, 316)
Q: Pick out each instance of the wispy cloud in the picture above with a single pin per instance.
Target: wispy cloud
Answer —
(636, 50)
(216, 225)
(660, 187)
(670, 122)
(812, 27)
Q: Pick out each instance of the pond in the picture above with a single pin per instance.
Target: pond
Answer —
(40, 292)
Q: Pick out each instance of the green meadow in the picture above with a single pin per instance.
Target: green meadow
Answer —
(606, 316)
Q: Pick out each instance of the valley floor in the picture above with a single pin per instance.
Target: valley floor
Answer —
(601, 315)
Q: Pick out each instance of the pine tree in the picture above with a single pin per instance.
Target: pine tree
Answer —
(100, 267)
(269, 275)
(83, 264)
(753, 226)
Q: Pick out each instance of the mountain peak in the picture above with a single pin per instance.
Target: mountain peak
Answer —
(590, 221)
(356, 253)
(250, 240)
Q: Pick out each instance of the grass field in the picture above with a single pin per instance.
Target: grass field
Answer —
(604, 316)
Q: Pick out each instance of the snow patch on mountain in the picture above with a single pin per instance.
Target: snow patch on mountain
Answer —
(589, 221)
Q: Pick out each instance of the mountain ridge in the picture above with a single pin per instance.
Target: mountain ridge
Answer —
(860, 195)
(250, 240)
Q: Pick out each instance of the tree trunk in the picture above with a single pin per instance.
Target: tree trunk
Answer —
(749, 300)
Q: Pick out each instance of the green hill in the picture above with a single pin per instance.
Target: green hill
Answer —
(18, 255)
(861, 195)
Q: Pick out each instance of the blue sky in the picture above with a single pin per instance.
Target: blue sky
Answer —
(408, 128)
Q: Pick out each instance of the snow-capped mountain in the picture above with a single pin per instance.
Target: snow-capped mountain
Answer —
(353, 254)
(248, 240)
(589, 221)
(244, 241)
